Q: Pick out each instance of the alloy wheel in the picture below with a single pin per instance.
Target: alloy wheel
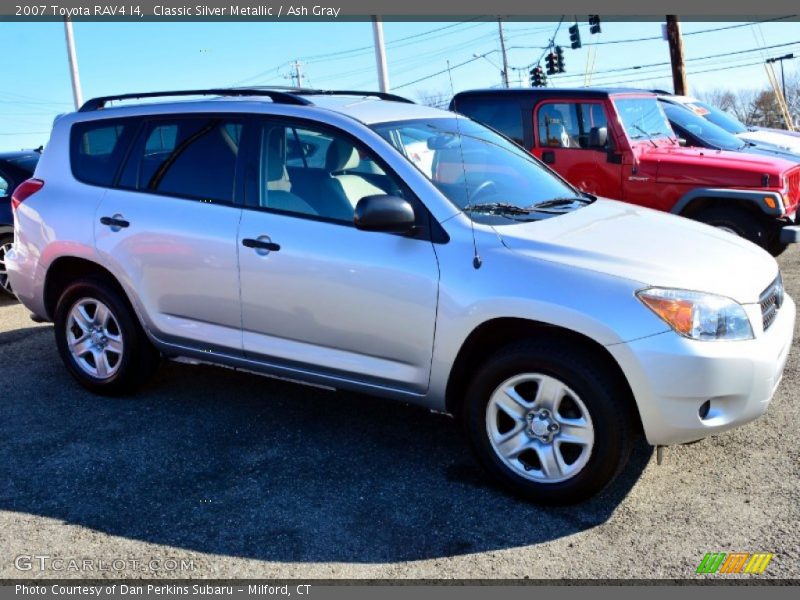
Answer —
(539, 427)
(4, 282)
(94, 338)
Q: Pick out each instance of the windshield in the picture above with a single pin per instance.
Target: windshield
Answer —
(719, 117)
(480, 171)
(704, 130)
(643, 118)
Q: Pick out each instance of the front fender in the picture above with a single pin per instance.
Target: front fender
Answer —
(757, 198)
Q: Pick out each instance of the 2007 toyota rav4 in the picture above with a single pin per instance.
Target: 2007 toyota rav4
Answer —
(363, 242)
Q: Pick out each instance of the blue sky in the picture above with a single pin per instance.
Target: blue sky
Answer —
(125, 57)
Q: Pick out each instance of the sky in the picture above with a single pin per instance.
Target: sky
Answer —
(130, 57)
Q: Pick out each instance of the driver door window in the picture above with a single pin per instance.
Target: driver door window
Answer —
(570, 124)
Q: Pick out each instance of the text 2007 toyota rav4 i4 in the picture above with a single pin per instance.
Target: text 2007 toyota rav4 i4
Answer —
(617, 143)
(363, 242)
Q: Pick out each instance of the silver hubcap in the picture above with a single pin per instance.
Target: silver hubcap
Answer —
(539, 428)
(94, 338)
(4, 283)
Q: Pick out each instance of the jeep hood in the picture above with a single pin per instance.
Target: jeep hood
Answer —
(703, 167)
(772, 139)
(649, 247)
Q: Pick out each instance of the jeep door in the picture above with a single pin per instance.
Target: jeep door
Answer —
(574, 139)
(319, 295)
(168, 228)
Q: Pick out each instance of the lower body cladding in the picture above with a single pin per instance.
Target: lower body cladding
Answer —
(686, 390)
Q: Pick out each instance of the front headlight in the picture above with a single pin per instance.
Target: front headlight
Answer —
(697, 315)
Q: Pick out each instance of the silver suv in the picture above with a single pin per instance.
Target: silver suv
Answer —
(360, 241)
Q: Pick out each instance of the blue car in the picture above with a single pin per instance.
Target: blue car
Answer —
(15, 167)
(697, 131)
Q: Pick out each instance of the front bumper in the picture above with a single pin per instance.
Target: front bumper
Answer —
(672, 377)
(790, 234)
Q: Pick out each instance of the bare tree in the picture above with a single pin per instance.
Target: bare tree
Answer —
(434, 98)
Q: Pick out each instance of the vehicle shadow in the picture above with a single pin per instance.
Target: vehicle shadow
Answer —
(217, 461)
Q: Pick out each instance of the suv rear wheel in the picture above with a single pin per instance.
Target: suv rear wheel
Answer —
(6, 240)
(737, 221)
(547, 422)
(100, 340)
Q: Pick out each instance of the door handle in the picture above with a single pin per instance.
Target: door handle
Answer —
(548, 157)
(261, 244)
(116, 222)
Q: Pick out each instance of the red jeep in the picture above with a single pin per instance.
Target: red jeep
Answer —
(618, 144)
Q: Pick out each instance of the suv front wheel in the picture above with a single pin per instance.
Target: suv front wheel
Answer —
(547, 422)
(100, 340)
(737, 221)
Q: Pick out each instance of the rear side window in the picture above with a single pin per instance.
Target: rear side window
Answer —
(501, 114)
(188, 157)
(97, 149)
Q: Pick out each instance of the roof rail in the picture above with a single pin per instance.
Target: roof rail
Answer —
(280, 97)
(321, 92)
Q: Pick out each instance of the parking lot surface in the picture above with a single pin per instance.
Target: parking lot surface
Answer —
(238, 475)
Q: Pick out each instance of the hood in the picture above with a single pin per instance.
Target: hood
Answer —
(705, 167)
(774, 139)
(772, 151)
(649, 247)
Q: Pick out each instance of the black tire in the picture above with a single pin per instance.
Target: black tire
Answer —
(745, 224)
(611, 415)
(138, 360)
(6, 237)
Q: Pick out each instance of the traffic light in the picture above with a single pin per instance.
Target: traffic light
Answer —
(559, 59)
(575, 37)
(538, 78)
(550, 61)
(594, 24)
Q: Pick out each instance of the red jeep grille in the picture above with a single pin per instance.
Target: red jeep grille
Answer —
(794, 188)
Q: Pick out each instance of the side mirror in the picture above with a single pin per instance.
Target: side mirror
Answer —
(389, 214)
(598, 137)
(682, 142)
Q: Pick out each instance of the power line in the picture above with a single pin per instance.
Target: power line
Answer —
(696, 58)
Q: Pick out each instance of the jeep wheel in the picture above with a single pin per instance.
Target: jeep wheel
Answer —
(100, 339)
(737, 221)
(547, 422)
(6, 240)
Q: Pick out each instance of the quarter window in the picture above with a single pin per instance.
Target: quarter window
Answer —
(4, 191)
(97, 148)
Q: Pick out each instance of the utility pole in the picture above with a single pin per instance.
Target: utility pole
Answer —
(676, 55)
(380, 54)
(297, 75)
(503, 50)
(77, 96)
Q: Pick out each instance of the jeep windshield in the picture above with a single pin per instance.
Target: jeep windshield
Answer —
(486, 175)
(643, 118)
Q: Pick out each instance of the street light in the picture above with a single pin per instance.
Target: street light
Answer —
(780, 59)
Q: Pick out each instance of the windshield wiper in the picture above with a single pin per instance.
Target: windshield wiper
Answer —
(497, 208)
(647, 135)
(561, 202)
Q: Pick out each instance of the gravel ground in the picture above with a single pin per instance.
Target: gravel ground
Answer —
(245, 476)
